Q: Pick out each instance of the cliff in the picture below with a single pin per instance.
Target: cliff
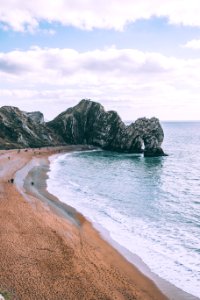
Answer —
(89, 123)
(19, 129)
(85, 123)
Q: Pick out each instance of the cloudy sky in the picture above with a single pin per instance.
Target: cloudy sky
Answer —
(139, 57)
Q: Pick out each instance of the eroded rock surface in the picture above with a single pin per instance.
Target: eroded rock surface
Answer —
(89, 123)
(86, 123)
(20, 129)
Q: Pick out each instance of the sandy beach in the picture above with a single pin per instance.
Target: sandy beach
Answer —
(48, 250)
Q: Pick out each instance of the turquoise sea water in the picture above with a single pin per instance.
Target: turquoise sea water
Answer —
(150, 206)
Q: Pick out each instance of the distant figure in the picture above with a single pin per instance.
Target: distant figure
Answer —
(12, 180)
(8, 157)
(32, 183)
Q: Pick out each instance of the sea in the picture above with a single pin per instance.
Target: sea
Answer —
(149, 206)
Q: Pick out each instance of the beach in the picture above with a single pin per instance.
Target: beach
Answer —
(50, 251)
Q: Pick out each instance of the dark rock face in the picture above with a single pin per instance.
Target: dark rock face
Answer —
(151, 133)
(86, 123)
(20, 129)
(36, 117)
(89, 123)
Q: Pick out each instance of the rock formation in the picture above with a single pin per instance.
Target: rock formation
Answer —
(20, 129)
(89, 123)
(36, 116)
(86, 123)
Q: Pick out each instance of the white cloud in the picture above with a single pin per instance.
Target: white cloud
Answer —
(133, 82)
(23, 15)
(66, 62)
(193, 44)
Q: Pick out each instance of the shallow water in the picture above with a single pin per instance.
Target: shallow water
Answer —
(151, 206)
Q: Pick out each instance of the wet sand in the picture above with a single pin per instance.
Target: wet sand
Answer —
(48, 250)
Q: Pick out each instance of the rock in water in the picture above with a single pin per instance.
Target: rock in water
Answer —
(152, 135)
(88, 123)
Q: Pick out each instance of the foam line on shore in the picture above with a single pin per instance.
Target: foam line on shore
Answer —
(36, 171)
(32, 168)
(166, 287)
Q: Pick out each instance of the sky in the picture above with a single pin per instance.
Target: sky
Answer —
(138, 57)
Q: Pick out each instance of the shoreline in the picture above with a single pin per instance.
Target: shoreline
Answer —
(52, 246)
(167, 288)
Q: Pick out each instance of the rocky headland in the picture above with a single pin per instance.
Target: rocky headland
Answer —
(87, 123)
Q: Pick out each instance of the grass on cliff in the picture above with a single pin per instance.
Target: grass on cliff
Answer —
(7, 295)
